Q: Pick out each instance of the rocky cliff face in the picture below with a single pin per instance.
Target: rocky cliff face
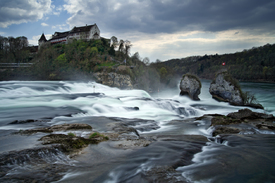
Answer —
(190, 85)
(224, 90)
(114, 80)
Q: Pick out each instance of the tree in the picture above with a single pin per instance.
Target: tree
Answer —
(128, 46)
(112, 51)
(146, 60)
(114, 42)
(163, 72)
(94, 51)
(136, 56)
(121, 46)
(158, 61)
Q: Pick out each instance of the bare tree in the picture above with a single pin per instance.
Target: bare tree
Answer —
(128, 46)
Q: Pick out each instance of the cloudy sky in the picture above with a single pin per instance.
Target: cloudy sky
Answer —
(158, 29)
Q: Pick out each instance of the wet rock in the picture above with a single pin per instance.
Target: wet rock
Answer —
(66, 127)
(226, 124)
(114, 80)
(71, 143)
(132, 108)
(225, 88)
(122, 128)
(266, 126)
(224, 120)
(190, 85)
(39, 163)
(242, 116)
(225, 130)
(248, 114)
(163, 174)
(62, 127)
(132, 143)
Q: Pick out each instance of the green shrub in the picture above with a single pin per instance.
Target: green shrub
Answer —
(71, 134)
(94, 135)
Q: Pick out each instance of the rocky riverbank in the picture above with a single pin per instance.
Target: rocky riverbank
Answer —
(60, 145)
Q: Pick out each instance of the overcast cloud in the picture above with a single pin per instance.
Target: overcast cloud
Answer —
(161, 29)
(169, 16)
(22, 11)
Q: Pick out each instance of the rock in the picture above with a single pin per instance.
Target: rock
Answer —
(190, 85)
(225, 88)
(74, 126)
(71, 143)
(224, 120)
(225, 130)
(227, 124)
(62, 127)
(39, 162)
(114, 80)
(248, 114)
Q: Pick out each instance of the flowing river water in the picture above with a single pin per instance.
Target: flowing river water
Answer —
(165, 117)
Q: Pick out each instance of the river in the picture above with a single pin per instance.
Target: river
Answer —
(166, 117)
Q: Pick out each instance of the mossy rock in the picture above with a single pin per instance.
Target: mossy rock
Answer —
(67, 142)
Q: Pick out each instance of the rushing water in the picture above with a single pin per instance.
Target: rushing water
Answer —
(239, 158)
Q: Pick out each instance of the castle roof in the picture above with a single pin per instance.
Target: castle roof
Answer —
(42, 38)
(83, 29)
(58, 35)
(86, 28)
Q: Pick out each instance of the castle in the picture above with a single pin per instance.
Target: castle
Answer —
(85, 32)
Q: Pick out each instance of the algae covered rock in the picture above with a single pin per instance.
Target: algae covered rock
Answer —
(190, 85)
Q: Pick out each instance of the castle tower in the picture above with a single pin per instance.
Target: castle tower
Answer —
(42, 40)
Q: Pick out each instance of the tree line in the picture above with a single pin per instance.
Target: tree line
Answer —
(14, 50)
(255, 64)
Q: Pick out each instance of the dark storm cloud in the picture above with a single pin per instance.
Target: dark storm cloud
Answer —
(19, 11)
(165, 16)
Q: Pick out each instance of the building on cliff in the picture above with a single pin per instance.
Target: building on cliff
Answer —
(87, 32)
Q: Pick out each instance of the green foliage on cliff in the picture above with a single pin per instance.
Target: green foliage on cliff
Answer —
(64, 61)
(79, 59)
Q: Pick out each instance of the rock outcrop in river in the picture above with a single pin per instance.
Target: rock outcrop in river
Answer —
(225, 88)
(243, 121)
(190, 85)
(114, 80)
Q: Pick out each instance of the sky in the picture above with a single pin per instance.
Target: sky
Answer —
(157, 29)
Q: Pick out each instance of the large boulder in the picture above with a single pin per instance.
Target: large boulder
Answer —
(225, 88)
(190, 85)
(114, 80)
